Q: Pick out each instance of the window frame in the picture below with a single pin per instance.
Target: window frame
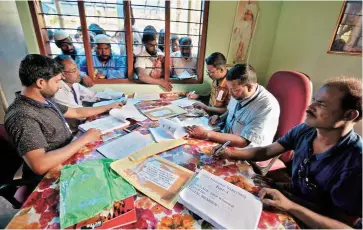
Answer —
(44, 46)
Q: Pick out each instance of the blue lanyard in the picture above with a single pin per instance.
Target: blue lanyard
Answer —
(59, 113)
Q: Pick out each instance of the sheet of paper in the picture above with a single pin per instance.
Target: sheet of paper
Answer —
(147, 96)
(221, 203)
(185, 75)
(132, 101)
(105, 124)
(173, 128)
(160, 135)
(161, 113)
(125, 145)
(128, 111)
(109, 95)
(122, 100)
(185, 102)
(200, 121)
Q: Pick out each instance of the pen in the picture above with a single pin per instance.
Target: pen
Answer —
(221, 148)
(191, 93)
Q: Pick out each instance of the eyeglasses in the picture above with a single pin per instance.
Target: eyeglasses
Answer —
(211, 72)
(303, 173)
(70, 72)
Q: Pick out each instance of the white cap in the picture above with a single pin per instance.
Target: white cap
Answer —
(102, 39)
(60, 35)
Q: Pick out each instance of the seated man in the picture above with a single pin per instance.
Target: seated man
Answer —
(37, 125)
(148, 64)
(65, 43)
(219, 96)
(107, 64)
(184, 59)
(71, 93)
(252, 116)
(327, 162)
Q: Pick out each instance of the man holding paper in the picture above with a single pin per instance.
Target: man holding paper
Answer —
(184, 62)
(252, 116)
(37, 124)
(327, 162)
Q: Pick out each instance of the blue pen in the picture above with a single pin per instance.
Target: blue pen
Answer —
(221, 148)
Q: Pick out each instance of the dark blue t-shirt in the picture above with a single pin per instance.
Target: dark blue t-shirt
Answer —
(329, 179)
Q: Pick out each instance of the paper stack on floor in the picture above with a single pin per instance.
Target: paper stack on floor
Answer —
(221, 203)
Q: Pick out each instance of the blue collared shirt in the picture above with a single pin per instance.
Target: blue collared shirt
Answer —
(334, 176)
(115, 67)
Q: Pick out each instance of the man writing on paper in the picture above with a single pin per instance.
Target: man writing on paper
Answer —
(252, 116)
(327, 163)
(107, 64)
(184, 59)
(37, 124)
(149, 63)
(220, 96)
(65, 43)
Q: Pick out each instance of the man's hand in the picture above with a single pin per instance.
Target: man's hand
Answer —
(116, 105)
(214, 119)
(166, 85)
(276, 199)
(87, 81)
(196, 132)
(200, 105)
(223, 154)
(91, 135)
(192, 96)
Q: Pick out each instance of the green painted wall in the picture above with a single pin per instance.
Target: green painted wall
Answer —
(302, 40)
(221, 18)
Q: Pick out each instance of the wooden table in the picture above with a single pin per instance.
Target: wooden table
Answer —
(41, 209)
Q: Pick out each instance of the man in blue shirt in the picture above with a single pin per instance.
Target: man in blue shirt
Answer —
(327, 163)
(108, 65)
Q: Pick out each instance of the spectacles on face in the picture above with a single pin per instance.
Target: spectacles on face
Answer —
(70, 72)
(211, 72)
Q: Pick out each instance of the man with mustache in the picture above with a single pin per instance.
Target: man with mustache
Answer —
(64, 42)
(327, 162)
(252, 113)
(107, 64)
(37, 124)
(184, 59)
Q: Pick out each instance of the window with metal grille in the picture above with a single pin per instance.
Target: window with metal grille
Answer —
(180, 26)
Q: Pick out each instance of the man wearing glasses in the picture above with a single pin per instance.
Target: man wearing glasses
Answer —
(327, 163)
(219, 96)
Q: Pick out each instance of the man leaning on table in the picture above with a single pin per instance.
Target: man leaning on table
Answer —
(252, 116)
(327, 163)
(37, 124)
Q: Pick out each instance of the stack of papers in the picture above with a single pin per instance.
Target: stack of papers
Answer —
(221, 203)
(185, 75)
(105, 125)
(147, 96)
(125, 145)
(174, 128)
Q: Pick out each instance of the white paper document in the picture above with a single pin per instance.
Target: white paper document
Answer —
(147, 96)
(122, 100)
(109, 95)
(185, 102)
(128, 111)
(185, 75)
(106, 124)
(221, 203)
(125, 145)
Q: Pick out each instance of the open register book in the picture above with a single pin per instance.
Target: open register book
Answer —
(105, 125)
(170, 129)
(221, 203)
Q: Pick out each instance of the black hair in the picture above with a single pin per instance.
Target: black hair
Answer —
(62, 57)
(185, 39)
(36, 66)
(148, 36)
(161, 40)
(79, 28)
(245, 73)
(150, 28)
(77, 36)
(173, 38)
(96, 29)
(218, 60)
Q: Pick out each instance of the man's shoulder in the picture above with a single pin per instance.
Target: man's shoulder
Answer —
(17, 113)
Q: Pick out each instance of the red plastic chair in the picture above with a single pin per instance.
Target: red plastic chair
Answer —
(293, 91)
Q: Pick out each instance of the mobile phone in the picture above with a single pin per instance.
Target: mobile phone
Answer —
(132, 128)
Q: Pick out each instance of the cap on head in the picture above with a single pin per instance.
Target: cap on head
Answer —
(102, 39)
(60, 35)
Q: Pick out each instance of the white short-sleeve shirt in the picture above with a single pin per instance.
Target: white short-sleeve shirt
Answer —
(257, 120)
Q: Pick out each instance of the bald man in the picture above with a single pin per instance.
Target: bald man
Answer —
(184, 59)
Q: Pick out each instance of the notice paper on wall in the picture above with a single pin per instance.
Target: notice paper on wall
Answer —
(221, 203)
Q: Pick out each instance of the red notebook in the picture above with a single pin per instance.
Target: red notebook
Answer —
(120, 214)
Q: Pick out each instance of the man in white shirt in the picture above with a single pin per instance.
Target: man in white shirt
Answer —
(65, 43)
(252, 116)
(149, 63)
(184, 59)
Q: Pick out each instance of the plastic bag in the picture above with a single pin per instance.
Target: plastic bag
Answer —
(88, 188)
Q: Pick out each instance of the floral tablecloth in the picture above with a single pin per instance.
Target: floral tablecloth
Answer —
(41, 209)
